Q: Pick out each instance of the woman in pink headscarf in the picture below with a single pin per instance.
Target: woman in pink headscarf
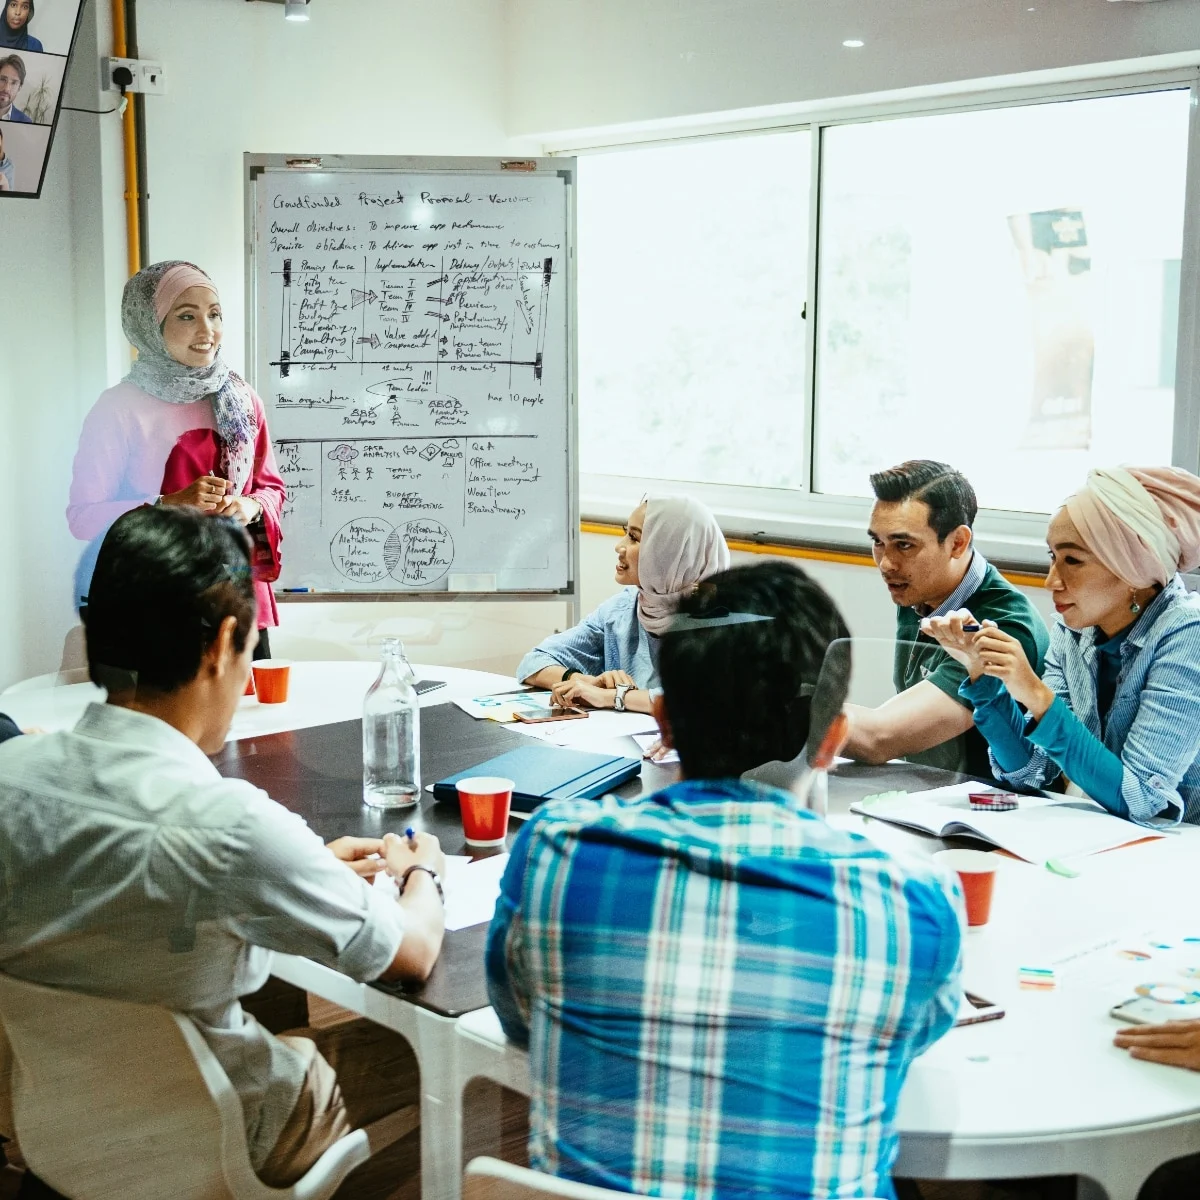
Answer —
(180, 428)
(1118, 709)
(610, 659)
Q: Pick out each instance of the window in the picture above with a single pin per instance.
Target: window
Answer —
(1000, 289)
(997, 287)
(692, 262)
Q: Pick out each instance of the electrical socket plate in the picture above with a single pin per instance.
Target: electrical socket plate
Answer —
(148, 77)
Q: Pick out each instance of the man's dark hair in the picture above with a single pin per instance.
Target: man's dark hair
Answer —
(165, 579)
(950, 497)
(17, 64)
(739, 692)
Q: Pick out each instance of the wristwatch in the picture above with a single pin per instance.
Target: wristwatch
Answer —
(437, 881)
(619, 702)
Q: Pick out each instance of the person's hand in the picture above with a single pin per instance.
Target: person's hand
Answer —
(361, 855)
(4, 184)
(580, 691)
(561, 689)
(1003, 658)
(610, 679)
(1177, 1043)
(243, 509)
(399, 855)
(657, 751)
(948, 632)
(208, 493)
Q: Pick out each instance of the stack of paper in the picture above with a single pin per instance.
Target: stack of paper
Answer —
(472, 888)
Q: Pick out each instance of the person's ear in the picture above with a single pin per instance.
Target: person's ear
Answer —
(960, 541)
(658, 708)
(219, 656)
(832, 743)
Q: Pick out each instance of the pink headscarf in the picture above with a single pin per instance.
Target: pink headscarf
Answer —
(1142, 523)
(174, 283)
(681, 545)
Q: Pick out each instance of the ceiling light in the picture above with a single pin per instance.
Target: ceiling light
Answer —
(295, 10)
(853, 43)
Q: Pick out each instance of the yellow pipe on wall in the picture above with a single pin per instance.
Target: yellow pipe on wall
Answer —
(129, 137)
(846, 557)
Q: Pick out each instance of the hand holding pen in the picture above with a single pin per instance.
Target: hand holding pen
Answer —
(413, 848)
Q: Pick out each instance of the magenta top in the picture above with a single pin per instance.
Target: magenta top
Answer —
(135, 448)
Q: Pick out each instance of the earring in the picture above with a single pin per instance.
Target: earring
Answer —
(1134, 606)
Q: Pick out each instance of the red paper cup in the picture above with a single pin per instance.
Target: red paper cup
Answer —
(977, 872)
(271, 678)
(485, 801)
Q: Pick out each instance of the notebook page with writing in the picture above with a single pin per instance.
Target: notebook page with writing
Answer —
(1043, 827)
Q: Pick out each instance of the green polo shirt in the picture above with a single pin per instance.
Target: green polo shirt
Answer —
(919, 657)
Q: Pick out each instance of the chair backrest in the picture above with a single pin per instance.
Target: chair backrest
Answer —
(114, 1100)
(492, 1179)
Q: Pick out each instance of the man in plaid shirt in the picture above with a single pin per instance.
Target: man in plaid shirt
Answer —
(720, 993)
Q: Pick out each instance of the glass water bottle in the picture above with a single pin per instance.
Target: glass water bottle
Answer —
(392, 734)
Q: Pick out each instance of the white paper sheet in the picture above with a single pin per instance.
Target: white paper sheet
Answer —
(472, 888)
(646, 740)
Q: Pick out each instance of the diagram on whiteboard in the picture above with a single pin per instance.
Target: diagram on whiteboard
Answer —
(413, 361)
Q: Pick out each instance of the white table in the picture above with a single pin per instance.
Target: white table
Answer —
(1042, 1091)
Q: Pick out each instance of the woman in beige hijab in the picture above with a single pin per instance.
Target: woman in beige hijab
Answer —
(610, 659)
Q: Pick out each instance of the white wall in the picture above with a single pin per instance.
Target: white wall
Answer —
(578, 64)
(57, 350)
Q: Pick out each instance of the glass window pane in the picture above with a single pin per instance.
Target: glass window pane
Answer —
(692, 268)
(1000, 290)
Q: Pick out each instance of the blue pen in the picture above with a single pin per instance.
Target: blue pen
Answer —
(412, 838)
(293, 591)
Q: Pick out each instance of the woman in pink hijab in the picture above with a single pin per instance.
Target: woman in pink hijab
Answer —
(1118, 709)
(180, 428)
(610, 659)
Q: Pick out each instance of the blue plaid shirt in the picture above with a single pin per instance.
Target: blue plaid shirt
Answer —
(721, 994)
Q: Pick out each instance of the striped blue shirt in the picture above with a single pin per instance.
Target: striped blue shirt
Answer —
(609, 639)
(721, 994)
(1151, 729)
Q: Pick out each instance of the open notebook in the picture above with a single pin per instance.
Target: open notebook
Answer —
(1043, 827)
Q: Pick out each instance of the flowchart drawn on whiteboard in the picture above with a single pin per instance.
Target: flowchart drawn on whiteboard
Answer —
(413, 354)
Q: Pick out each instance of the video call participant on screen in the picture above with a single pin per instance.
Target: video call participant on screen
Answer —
(132, 869)
(610, 659)
(1118, 708)
(180, 429)
(12, 80)
(14, 27)
(6, 167)
(720, 993)
(921, 537)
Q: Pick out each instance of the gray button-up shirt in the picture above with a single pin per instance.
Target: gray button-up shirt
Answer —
(130, 868)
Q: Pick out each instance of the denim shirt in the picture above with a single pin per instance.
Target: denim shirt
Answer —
(1153, 725)
(609, 639)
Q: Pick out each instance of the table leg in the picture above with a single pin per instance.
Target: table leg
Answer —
(441, 1108)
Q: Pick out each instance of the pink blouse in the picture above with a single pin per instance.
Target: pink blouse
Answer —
(135, 448)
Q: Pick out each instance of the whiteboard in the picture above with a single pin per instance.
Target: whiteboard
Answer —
(411, 325)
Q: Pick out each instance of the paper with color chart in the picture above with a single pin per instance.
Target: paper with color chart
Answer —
(1043, 827)
(472, 888)
(504, 707)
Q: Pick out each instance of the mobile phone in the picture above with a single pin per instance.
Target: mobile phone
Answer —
(974, 1010)
(428, 685)
(530, 717)
(1142, 1010)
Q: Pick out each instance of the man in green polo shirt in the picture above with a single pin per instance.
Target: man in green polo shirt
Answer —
(922, 542)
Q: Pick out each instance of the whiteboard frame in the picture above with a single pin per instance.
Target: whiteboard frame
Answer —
(255, 165)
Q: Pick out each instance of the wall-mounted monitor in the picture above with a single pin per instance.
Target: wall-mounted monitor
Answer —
(36, 39)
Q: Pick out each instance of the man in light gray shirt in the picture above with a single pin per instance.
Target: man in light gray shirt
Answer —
(130, 868)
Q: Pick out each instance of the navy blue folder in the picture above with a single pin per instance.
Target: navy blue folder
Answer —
(548, 773)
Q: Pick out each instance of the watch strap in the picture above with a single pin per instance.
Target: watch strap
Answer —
(437, 879)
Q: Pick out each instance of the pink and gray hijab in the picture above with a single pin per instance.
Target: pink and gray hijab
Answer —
(147, 299)
(681, 545)
(1142, 523)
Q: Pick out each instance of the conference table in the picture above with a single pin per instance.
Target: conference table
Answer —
(1040, 1092)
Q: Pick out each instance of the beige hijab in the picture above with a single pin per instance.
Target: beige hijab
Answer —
(681, 545)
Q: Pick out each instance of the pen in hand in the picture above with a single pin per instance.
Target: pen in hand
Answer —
(412, 838)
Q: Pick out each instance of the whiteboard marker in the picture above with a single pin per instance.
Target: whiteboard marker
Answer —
(292, 591)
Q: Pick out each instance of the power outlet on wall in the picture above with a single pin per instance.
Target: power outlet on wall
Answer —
(143, 76)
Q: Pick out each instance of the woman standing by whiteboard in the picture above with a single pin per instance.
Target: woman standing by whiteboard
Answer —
(610, 659)
(180, 428)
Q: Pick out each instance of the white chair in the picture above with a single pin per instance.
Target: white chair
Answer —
(119, 1101)
(492, 1179)
(38, 683)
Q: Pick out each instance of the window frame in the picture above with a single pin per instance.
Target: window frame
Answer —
(803, 517)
